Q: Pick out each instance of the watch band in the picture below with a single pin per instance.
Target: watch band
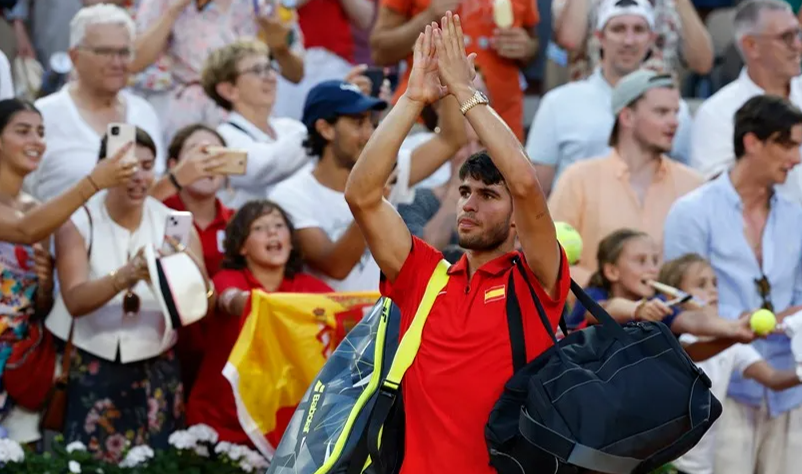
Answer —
(476, 99)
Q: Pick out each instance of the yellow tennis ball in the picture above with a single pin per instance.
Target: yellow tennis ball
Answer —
(570, 240)
(763, 322)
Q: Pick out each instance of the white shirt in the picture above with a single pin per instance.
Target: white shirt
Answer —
(574, 122)
(270, 161)
(101, 332)
(73, 146)
(712, 149)
(6, 84)
(310, 204)
(719, 369)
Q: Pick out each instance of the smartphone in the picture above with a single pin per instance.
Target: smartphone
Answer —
(235, 163)
(376, 76)
(178, 226)
(118, 135)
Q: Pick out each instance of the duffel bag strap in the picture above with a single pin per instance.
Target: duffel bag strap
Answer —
(404, 356)
(572, 452)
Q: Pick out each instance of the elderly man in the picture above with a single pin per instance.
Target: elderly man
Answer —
(574, 121)
(76, 117)
(769, 38)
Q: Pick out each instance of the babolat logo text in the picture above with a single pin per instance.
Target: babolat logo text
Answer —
(319, 387)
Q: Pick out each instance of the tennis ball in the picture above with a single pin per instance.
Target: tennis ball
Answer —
(570, 240)
(762, 322)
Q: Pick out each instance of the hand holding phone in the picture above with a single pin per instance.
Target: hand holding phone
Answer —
(117, 136)
(178, 228)
(234, 162)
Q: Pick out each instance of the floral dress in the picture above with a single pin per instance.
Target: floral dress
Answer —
(18, 283)
(113, 406)
(665, 52)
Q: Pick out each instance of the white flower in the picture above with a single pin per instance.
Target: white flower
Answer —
(223, 447)
(76, 446)
(10, 451)
(252, 461)
(204, 433)
(137, 455)
(256, 460)
(182, 440)
(237, 452)
(75, 467)
(202, 451)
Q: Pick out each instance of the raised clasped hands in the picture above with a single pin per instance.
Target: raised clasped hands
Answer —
(441, 65)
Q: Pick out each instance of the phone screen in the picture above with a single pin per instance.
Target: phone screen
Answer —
(376, 76)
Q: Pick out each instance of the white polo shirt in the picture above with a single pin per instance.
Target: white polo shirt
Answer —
(574, 121)
(712, 148)
(270, 160)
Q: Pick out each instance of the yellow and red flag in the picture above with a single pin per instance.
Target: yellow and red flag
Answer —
(282, 346)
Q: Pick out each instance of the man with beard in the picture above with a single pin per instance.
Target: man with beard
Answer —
(635, 185)
(465, 355)
(573, 122)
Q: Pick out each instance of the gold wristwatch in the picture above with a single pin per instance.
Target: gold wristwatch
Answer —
(477, 98)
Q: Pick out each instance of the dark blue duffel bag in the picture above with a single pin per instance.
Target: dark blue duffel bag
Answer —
(619, 399)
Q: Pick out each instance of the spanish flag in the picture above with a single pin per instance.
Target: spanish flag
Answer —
(282, 346)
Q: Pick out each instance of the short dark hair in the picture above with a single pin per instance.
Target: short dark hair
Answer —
(768, 118)
(314, 143)
(239, 228)
(181, 136)
(142, 139)
(10, 107)
(480, 166)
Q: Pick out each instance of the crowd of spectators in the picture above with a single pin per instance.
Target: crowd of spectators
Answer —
(668, 168)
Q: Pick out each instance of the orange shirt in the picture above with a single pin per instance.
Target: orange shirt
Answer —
(595, 196)
(501, 75)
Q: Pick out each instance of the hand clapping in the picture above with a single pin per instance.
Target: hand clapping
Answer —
(440, 64)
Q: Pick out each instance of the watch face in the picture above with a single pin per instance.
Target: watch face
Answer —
(482, 96)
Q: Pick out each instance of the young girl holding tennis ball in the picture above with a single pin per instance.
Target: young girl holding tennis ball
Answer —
(694, 275)
(628, 261)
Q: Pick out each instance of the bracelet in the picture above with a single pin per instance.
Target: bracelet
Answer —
(113, 276)
(92, 182)
(174, 181)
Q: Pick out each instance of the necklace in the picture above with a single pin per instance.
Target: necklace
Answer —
(131, 301)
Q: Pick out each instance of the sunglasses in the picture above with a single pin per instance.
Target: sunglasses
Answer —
(764, 290)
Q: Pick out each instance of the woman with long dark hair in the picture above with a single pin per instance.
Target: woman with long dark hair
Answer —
(26, 268)
(35, 223)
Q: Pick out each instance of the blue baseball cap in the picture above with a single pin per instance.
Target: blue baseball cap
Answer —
(330, 99)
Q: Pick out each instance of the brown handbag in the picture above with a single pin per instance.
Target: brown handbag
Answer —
(55, 412)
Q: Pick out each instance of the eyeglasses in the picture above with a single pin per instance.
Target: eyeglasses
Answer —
(261, 70)
(789, 38)
(764, 290)
(126, 54)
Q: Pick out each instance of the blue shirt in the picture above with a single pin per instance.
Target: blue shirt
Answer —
(600, 294)
(573, 123)
(709, 221)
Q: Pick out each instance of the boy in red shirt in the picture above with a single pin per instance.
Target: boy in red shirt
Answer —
(465, 356)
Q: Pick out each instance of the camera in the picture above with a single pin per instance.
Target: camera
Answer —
(115, 131)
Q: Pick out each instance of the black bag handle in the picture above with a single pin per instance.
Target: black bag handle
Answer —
(606, 322)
